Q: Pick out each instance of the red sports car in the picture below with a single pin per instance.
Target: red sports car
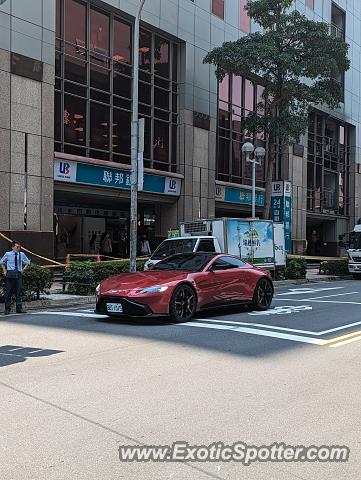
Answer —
(183, 284)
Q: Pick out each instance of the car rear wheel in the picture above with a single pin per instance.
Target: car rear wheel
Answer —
(263, 295)
(183, 304)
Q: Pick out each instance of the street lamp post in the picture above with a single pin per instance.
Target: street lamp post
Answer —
(134, 144)
(259, 153)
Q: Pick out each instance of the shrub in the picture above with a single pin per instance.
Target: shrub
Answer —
(296, 268)
(37, 280)
(334, 267)
(85, 276)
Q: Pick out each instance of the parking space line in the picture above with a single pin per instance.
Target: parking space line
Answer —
(336, 340)
(345, 342)
(260, 325)
(71, 314)
(253, 331)
(316, 298)
(300, 291)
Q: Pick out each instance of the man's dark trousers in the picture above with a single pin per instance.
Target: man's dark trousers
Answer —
(13, 285)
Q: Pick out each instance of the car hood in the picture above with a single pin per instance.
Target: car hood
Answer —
(140, 280)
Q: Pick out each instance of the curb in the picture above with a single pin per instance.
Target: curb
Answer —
(281, 283)
(45, 303)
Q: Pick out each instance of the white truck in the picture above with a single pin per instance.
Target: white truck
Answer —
(354, 252)
(252, 240)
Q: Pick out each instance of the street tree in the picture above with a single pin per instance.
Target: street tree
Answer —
(298, 62)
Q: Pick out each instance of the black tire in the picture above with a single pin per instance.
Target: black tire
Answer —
(262, 295)
(183, 303)
(356, 276)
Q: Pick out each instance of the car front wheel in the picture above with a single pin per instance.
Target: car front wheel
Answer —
(183, 304)
(263, 295)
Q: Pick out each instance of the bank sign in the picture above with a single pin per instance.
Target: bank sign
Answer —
(240, 195)
(77, 172)
(281, 208)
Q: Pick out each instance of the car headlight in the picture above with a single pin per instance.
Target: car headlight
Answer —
(155, 289)
(97, 290)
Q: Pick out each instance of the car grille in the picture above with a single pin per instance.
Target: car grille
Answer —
(356, 259)
(130, 308)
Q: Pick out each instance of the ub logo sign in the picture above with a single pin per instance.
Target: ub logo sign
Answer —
(172, 186)
(65, 171)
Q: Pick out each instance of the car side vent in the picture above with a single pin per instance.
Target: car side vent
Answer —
(196, 228)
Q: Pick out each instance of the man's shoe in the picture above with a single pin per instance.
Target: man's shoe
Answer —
(7, 312)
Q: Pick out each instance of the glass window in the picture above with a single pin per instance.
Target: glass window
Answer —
(122, 86)
(237, 83)
(75, 69)
(122, 42)
(160, 144)
(58, 19)
(74, 120)
(310, 4)
(226, 263)
(75, 27)
(218, 8)
(161, 57)
(245, 21)
(171, 247)
(191, 262)
(99, 77)
(121, 132)
(145, 50)
(99, 35)
(249, 96)
(206, 245)
(99, 126)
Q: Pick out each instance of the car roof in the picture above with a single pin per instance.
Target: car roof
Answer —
(190, 237)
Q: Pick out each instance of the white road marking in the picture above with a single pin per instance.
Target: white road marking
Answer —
(260, 325)
(253, 331)
(72, 314)
(314, 298)
(299, 291)
(283, 310)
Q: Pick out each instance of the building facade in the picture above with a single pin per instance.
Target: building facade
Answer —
(66, 82)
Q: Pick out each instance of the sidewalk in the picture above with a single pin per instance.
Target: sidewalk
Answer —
(63, 300)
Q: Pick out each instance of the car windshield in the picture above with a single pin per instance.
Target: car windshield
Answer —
(171, 247)
(191, 262)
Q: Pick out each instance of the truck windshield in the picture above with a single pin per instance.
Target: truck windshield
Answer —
(355, 240)
(171, 247)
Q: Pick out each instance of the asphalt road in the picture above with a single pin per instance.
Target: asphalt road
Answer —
(75, 386)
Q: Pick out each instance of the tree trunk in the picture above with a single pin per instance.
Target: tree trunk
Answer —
(271, 161)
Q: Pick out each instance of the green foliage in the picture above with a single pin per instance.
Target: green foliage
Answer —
(294, 270)
(296, 59)
(36, 280)
(85, 276)
(334, 267)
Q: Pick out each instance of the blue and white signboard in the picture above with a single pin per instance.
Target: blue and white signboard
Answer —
(281, 208)
(78, 172)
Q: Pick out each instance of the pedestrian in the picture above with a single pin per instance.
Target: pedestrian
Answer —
(144, 246)
(92, 243)
(107, 246)
(14, 263)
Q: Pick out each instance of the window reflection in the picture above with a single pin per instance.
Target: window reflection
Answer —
(99, 35)
(121, 133)
(122, 42)
(161, 57)
(161, 144)
(145, 50)
(75, 27)
(99, 126)
(74, 120)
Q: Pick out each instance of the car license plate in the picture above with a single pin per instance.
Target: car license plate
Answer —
(114, 308)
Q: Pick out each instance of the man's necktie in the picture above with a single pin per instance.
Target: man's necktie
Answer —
(16, 261)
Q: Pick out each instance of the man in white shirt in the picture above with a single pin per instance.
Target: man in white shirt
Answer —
(14, 263)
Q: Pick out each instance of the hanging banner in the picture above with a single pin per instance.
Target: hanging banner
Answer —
(281, 208)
